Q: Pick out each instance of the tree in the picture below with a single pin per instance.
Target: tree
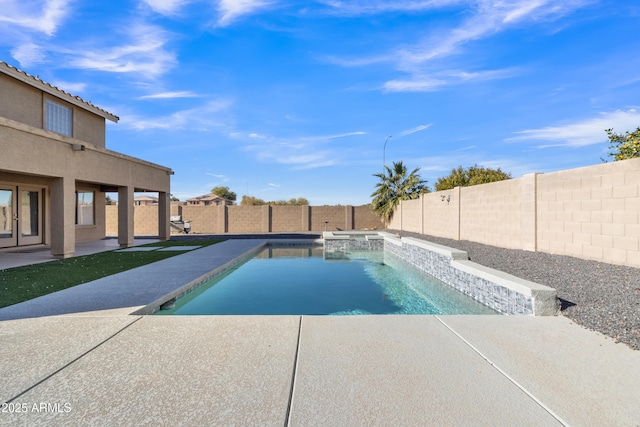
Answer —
(251, 201)
(396, 185)
(300, 201)
(225, 193)
(624, 146)
(108, 200)
(254, 201)
(472, 175)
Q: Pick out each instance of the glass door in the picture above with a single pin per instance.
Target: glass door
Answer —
(20, 216)
(8, 217)
(30, 217)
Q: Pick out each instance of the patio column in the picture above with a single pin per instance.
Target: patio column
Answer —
(164, 213)
(125, 216)
(63, 217)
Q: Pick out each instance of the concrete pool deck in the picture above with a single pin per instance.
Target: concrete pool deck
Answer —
(80, 358)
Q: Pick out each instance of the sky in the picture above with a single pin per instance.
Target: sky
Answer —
(280, 99)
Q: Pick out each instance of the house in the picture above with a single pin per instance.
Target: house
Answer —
(145, 200)
(210, 200)
(55, 169)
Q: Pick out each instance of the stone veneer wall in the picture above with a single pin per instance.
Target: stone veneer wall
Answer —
(344, 245)
(503, 293)
(492, 295)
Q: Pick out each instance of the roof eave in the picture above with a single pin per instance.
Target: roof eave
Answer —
(54, 91)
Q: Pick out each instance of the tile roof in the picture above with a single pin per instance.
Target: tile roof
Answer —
(36, 82)
(208, 197)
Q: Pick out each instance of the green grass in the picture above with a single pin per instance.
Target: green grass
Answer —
(24, 283)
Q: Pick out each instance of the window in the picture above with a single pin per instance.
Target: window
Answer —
(84, 208)
(59, 118)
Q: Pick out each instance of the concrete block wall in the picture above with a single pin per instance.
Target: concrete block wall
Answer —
(145, 220)
(336, 217)
(111, 220)
(289, 219)
(365, 219)
(491, 213)
(441, 214)
(412, 215)
(591, 213)
(246, 219)
(252, 219)
(204, 219)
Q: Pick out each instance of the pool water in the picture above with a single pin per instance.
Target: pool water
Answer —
(282, 281)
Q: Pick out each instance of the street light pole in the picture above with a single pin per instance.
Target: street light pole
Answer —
(384, 149)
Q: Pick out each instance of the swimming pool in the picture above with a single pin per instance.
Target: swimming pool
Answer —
(301, 280)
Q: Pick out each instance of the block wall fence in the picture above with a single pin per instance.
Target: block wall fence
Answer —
(591, 213)
(251, 219)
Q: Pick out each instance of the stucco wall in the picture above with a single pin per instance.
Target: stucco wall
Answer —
(591, 212)
(24, 103)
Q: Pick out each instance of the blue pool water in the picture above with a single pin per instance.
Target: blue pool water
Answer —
(282, 280)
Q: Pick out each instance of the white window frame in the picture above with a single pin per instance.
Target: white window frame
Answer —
(58, 118)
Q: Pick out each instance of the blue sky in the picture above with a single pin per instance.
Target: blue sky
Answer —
(282, 98)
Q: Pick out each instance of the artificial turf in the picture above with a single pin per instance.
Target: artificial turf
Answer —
(30, 281)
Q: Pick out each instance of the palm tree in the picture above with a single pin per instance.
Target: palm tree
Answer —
(395, 185)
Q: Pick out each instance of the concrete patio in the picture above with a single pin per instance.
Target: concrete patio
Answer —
(78, 357)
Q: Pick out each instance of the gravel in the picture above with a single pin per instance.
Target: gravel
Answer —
(599, 296)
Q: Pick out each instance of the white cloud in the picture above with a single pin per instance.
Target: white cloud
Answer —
(304, 152)
(170, 95)
(41, 16)
(488, 18)
(343, 135)
(70, 87)
(414, 85)
(369, 7)
(166, 7)
(28, 54)
(413, 130)
(424, 61)
(584, 132)
(144, 54)
(230, 10)
(438, 80)
(201, 118)
(257, 136)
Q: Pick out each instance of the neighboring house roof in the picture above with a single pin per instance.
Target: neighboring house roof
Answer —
(55, 91)
(209, 198)
(146, 198)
